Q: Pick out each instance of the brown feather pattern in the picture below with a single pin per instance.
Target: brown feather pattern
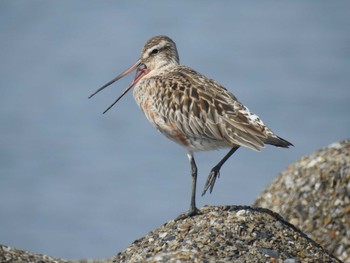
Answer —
(208, 115)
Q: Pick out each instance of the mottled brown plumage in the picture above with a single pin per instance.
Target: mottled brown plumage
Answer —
(193, 110)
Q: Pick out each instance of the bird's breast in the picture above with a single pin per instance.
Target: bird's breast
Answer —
(145, 94)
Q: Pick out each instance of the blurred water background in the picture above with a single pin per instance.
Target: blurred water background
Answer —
(78, 184)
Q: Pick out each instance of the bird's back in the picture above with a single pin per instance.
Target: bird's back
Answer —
(199, 113)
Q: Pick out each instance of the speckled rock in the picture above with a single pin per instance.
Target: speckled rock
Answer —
(226, 234)
(314, 195)
(11, 255)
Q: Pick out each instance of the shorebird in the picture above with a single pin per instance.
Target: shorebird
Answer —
(192, 110)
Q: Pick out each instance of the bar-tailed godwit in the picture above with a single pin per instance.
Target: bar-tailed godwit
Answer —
(192, 110)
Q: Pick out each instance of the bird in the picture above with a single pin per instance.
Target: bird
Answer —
(192, 110)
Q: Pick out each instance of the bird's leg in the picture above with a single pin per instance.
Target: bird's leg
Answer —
(194, 183)
(215, 172)
(193, 209)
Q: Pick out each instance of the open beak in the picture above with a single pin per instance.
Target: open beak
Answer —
(140, 72)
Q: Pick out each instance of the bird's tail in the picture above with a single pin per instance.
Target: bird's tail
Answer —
(278, 141)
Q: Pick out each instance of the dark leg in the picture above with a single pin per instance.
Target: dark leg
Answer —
(193, 209)
(215, 172)
(194, 183)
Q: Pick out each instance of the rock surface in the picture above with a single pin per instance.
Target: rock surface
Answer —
(11, 255)
(314, 195)
(8, 254)
(226, 234)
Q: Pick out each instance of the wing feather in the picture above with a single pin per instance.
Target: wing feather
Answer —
(200, 107)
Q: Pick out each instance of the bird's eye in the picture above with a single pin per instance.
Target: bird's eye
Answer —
(155, 51)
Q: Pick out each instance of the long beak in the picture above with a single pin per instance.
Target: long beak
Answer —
(139, 74)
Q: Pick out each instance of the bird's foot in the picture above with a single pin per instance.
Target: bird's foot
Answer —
(192, 212)
(215, 173)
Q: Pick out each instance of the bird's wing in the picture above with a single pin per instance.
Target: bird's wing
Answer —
(200, 107)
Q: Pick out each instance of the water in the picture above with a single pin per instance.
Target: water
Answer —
(78, 184)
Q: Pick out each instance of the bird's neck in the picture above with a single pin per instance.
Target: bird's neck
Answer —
(163, 68)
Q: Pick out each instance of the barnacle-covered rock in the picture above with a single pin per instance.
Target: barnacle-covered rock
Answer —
(226, 234)
(314, 195)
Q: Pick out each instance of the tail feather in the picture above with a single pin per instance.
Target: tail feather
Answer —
(278, 141)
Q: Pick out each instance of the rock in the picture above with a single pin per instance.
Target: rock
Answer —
(314, 195)
(10, 255)
(226, 234)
